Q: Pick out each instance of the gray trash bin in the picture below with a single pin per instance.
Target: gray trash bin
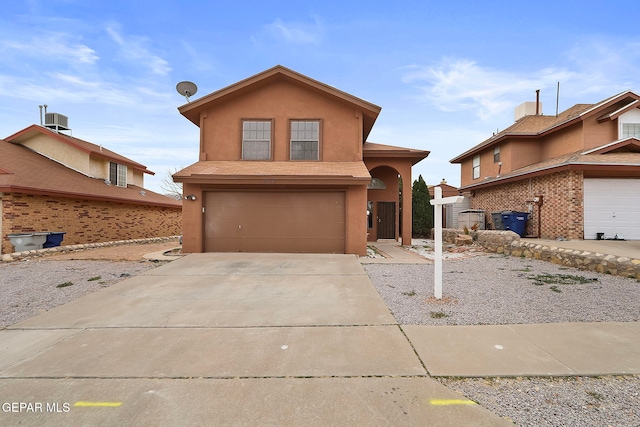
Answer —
(497, 220)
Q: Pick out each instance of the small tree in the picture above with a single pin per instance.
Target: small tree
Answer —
(171, 188)
(421, 208)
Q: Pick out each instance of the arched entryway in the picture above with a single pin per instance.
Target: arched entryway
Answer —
(383, 204)
(390, 167)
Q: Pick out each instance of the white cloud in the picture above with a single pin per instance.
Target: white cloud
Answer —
(51, 46)
(134, 49)
(296, 32)
(462, 84)
(592, 70)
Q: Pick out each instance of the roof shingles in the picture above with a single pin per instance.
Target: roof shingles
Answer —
(29, 172)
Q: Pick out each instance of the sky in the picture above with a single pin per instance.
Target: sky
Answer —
(447, 74)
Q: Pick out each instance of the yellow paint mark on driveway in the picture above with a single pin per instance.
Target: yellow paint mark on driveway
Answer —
(98, 404)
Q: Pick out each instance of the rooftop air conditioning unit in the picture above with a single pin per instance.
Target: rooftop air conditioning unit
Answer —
(56, 122)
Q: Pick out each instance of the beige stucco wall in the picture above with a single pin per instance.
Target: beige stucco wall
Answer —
(192, 219)
(221, 129)
(61, 152)
(99, 168)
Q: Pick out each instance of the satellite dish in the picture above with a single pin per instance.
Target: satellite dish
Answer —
(186, 89)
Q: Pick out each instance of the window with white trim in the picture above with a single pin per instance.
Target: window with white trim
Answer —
(630, 129)
(256, 140)
(496, 154)
(305, 140)
(476, 166)
(118, 174)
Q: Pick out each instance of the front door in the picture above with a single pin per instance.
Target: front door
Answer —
(386, 220)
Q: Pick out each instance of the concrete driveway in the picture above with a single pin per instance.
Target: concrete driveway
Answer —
(225, 339)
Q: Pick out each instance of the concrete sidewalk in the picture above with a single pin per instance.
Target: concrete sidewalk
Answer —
(393, 253)
(550, 349)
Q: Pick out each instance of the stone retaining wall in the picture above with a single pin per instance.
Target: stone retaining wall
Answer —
(509, 243)
(72, 248)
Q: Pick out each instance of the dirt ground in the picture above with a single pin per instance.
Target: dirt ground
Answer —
(128, 252)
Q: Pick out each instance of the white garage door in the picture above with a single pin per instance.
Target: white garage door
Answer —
(612, 206)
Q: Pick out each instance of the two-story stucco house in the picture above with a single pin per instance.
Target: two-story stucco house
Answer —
(285, 167)
(50, 181)
(577, 173)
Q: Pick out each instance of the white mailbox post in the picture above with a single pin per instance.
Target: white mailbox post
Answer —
(438, 201)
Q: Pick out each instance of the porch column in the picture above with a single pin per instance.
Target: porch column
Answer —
(407, 206)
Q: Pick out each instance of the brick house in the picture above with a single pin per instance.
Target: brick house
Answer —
(577, 173)
(50, 181)
(285, 166)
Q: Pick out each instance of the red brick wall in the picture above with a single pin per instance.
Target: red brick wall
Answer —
(85, 221)
(562, 209)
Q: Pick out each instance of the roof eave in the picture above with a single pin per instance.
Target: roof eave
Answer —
(80, 195)
(547, 170)
(192, 110)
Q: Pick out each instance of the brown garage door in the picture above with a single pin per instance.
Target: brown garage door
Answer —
(248, 221)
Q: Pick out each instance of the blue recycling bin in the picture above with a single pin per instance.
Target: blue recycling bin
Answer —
(515, 221)
(54, 238)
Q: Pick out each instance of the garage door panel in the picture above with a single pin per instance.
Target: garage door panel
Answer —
(612, 206)
(275, 221)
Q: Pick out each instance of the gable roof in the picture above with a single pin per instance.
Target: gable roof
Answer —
(623, 155)
(536, 126)
(193, 109)
(22, 170)
(79, 144)
(630, 144)
(370, 150)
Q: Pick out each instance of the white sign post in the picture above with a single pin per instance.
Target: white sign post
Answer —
(438, 201)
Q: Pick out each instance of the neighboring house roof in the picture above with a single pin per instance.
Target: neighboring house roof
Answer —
(291, 172)
(25, 171)
(193, 109)
(620, 156)
(370, 150)
(447, 190)
(536, 126)
(87, 147)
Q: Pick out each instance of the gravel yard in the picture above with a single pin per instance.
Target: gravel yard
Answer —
(35, 285)
(495, 289)
(490, 289)
(478, 289)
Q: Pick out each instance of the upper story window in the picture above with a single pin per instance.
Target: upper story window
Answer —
(305, 140)
(496, 154)
(256, 140)
(476, 166)
(118, 174)
(630, 129)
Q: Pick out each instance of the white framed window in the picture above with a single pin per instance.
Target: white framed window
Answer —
(476, 166)
(630, 129)
(496, 154)
(305, 140)
(256, 140)
(118, 174)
